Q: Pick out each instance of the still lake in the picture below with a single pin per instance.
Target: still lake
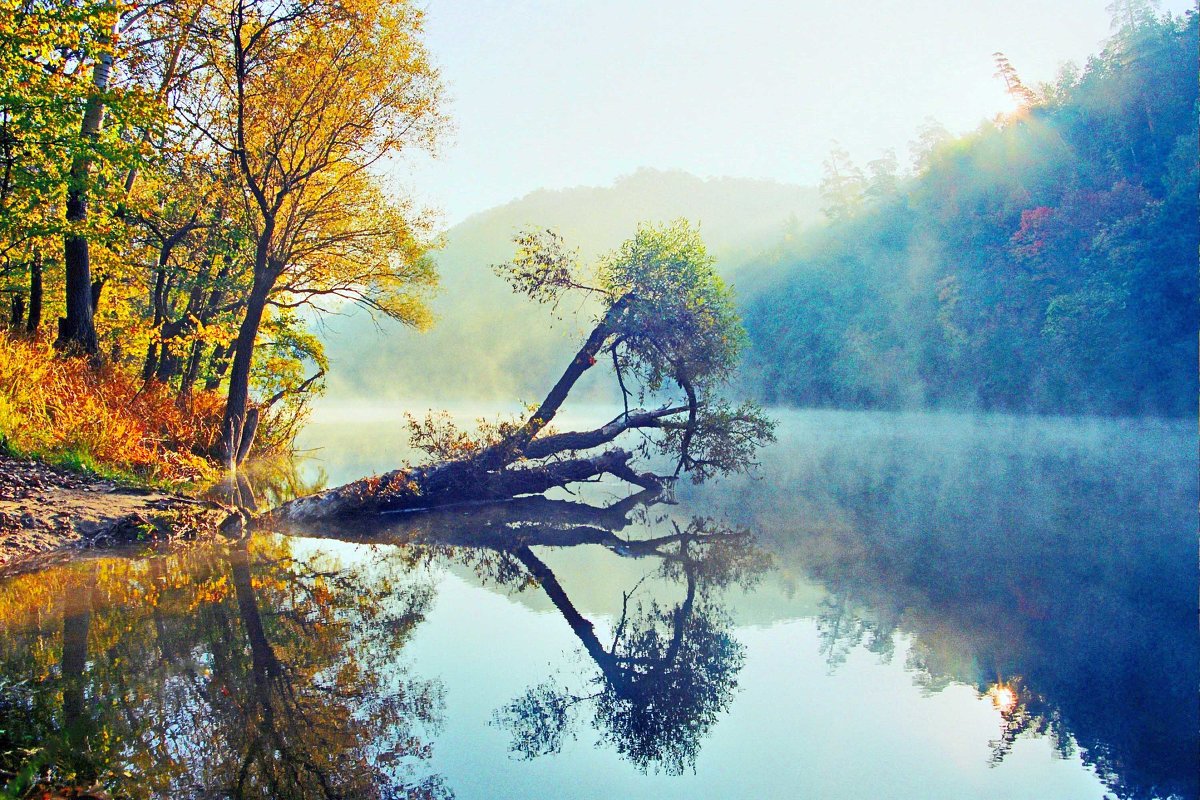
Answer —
(895, 605)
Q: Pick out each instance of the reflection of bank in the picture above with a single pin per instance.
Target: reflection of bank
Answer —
(1052, 558)
(247, 673)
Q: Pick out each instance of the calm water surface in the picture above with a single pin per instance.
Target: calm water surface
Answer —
(902, 606)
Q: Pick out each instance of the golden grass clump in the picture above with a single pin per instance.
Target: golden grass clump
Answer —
(105, 420)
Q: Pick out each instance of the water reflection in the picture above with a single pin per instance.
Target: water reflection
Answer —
(1048, 567)
(1049, 564)
(248, 672)
(257, 670)
(668, 672)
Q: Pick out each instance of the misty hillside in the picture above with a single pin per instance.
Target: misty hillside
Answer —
(1044, 263)
(487, 342)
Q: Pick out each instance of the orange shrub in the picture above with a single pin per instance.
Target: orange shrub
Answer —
(107, 418)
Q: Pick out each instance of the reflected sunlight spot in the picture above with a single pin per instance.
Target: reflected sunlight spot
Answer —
(1003, 698)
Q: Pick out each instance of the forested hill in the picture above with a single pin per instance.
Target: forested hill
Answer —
(1046, 262)
(490, 344)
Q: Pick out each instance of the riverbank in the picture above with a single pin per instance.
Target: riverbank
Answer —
(46, 512)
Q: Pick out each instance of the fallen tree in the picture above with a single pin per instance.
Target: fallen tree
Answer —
(666, 326)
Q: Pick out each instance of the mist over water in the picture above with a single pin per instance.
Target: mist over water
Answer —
(1055, 552)
(1052, 555)
(901, 605)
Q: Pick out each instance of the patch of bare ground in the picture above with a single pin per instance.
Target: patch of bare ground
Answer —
(47, 512)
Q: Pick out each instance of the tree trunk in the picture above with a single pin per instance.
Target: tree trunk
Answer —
(585, 359)
(454, 483)
(150, 362)
(170, 359)
(193, 370)
(158, 303)
(77, 330)
(34, 320)
(17, 315)
(168, 362)
(238, 401)
(249, 429)
(203, 315)
(97, 290)
(218, 364)
(469, 481)
(163, 361)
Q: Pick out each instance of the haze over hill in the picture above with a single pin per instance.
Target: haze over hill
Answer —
(489, 343)
(1044, 263)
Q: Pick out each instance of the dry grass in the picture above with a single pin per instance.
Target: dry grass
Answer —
(103, 420)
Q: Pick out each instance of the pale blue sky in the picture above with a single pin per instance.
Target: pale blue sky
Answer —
(558, 93)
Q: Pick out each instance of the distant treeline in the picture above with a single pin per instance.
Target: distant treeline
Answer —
(1046, 262)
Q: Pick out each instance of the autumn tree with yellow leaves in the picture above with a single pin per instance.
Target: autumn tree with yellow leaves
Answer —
(207, 167)
(304, 99)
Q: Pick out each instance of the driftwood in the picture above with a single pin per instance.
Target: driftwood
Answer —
(453, 484)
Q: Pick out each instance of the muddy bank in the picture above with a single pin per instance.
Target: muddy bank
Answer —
(46, 512)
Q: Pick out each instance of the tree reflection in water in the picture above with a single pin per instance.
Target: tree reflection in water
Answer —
(244, 673)
(1061, 589)
(1109, 677)
(1048, 564)
(255, 671)
(668, 672)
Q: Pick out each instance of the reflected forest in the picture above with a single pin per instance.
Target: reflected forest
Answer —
(390, 409)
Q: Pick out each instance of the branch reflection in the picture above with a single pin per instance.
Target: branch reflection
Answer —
(669, 670)
(253, 672)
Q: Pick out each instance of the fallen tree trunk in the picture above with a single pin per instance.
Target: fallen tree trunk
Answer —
(667, 321)
(455, 483)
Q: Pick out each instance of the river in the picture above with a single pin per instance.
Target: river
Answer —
(894, 605)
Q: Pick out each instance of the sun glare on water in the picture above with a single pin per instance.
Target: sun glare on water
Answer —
(1003, 698)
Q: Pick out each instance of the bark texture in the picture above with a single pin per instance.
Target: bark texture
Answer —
(454, 483)
(77, 330)
(234, 443)
(34, 319)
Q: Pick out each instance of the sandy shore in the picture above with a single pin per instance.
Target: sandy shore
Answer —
(47, 512)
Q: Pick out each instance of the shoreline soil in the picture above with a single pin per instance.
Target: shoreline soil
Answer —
(47, 513)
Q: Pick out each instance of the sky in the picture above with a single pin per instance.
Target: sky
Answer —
(561, 93)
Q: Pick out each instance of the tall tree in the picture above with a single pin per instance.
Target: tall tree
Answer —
(309, 96)
(77, 330)
(843, 186)
(44, 53)
(1021, 94)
